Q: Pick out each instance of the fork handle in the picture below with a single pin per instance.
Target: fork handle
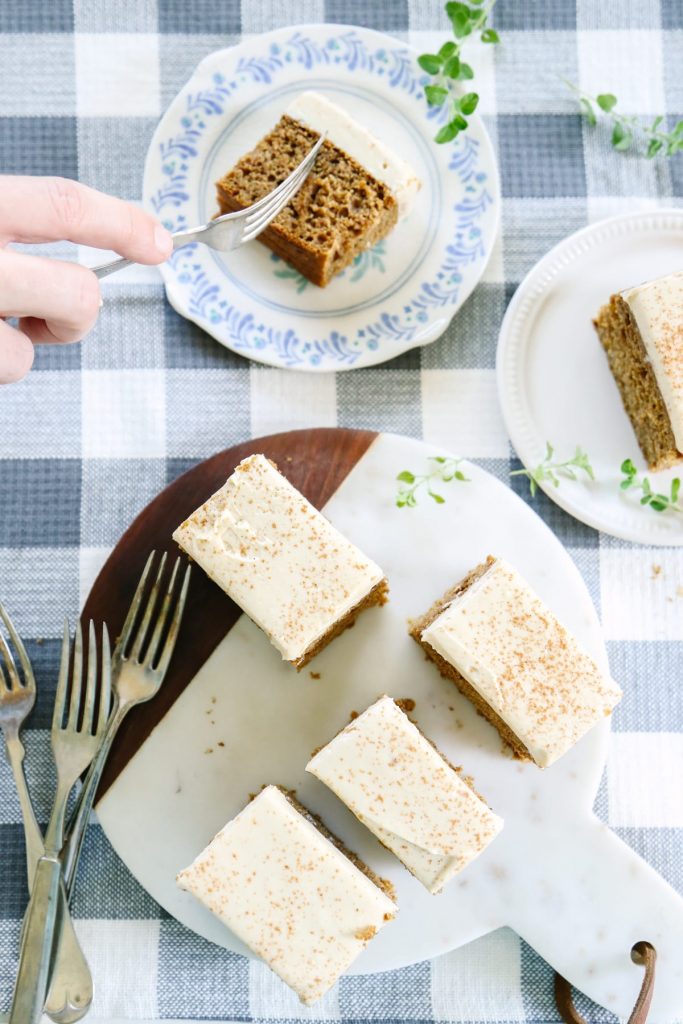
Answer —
(37, 943)
(105, 269)
(78, 823)
(32, 834)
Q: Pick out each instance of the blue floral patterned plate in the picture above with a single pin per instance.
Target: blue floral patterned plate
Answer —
(398, 295)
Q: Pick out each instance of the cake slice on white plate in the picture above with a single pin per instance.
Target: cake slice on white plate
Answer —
(641, 331)
(356, 192)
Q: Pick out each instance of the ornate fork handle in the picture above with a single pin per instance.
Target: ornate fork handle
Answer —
(78, 823)
(32, 835)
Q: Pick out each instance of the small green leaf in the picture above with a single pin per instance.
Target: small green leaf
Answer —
(447, 133)
(587, 111)
(448, 49)
(459, 475)
(606, 101)
(658, 505)
(436, 94)
(653, 147)
(468, 102)
(645, 500)
(621, 137)
(461, 25)
(437, 497)
(430, 62)
(456, 7)
(625, 484)
(466, 72)
(549, 451)
(439, 458)
(406, 477)
(678, 128)
(675, 489)
(628, 467)
(452, 67)
(489, 35)
(656, 123)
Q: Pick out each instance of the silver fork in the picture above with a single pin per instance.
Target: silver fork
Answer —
(139, 664)
(74, 744)
(234, 229)
(71, 981)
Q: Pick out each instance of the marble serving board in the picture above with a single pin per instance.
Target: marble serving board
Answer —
(232, 716)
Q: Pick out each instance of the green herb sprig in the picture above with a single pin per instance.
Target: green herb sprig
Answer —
(552, 470)
(628, 131)
(449, 70)
(445, 471)
(658, 502)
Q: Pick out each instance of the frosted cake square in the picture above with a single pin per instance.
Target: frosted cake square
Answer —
(291, 892)
(281, 560)
(400, 787)
(505, 649)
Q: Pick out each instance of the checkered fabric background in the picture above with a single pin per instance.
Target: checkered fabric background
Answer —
(97, 429)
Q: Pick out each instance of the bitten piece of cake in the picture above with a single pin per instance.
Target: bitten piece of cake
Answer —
(352, 198)
(290, 892)
(401, 788)
(641, 331)
(506, 651)
(281, 560)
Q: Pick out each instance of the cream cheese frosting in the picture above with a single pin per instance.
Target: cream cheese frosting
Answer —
(400, 787)
(657, 308)
(274, 554)
(288, 893)
(343, 131)
(522, 661)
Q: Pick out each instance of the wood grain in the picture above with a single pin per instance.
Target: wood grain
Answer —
(315, 461)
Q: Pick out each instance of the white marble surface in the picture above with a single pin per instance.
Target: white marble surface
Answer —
(555, 874)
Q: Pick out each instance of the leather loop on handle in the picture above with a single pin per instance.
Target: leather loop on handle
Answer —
(643, 953)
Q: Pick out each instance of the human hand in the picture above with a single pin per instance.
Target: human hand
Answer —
(59, 302)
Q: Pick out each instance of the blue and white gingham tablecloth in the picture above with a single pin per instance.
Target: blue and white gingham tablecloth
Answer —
(97, 429)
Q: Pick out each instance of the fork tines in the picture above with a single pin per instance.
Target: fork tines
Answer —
(136, 643)
(260, 214)
(12, 680)
(81, 715)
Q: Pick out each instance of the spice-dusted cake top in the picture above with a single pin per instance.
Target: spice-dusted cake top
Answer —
(402, 789)
(657, 307)
(282, 561)
(320, 114)
(286, 891)
(523, 662)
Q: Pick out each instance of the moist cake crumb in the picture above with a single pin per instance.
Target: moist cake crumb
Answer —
(641, 331)
(351, 199)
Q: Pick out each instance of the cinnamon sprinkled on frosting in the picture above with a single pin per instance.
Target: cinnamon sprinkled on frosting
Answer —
(523, 662)
(287, 892)
(657, 307)
(279, 558)
(398, 785)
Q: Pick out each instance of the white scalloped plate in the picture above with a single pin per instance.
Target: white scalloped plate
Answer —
(400, 294)
(553, 380)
